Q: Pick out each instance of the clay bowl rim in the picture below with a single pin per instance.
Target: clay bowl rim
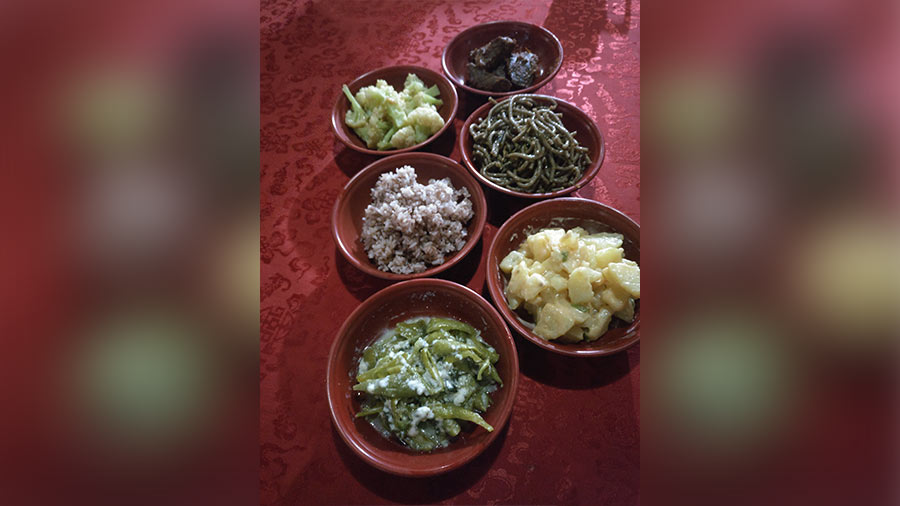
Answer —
(345, 134)
(476, 194)
(495, 284)
(568, 109)
(504, 335)
(459, 37)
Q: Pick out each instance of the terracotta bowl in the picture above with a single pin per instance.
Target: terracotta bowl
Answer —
(350, 207)
(536, 39)
(574, 119)
(395, 76)
(385, 309)
(565, 213)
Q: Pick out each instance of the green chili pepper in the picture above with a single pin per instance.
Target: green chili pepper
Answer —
(423, 376)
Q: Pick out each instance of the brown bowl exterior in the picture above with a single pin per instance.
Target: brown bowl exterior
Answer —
(350, 206)
(566, 213)
(385, 309)
(536, 39)
(396, 77)
(575, 120)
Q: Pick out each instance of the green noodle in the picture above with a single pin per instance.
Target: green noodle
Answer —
(522, 145)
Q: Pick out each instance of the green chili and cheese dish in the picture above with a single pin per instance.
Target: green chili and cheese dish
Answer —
(425, 380)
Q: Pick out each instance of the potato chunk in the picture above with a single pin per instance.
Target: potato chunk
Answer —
(614, 298)
(553, 321)
(517, 281)
(605, 256)
(533, 285)
(574, 335)
(559, 283)
(579, 313)
(570, 240)
(580, 290)
(542, 244)
(597, 324)
(625, 276)
(553, 263)
(605, 240)
(626, 314)
(538, 247)
(511, 260)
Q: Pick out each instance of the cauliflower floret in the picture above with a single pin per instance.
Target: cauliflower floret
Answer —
(370, 97)
(375, 128)
(373, 96)
(413, 84)
(404, 138)
(379, 114)
(420, 124)
(415, 94)
(427, 118)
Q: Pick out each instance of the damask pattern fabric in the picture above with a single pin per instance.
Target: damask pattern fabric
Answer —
(573, 437)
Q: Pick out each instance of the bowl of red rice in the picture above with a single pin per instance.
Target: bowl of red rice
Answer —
(408, 216)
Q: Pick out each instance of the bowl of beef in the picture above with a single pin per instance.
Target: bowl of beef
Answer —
(502, 58)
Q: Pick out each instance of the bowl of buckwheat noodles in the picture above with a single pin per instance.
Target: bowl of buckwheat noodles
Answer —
(531, 146)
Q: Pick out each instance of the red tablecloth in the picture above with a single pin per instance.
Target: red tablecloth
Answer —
(574, 433)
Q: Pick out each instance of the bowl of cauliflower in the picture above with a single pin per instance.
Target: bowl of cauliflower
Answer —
(394, 110)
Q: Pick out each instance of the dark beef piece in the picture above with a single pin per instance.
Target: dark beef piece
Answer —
(488, 81)
(499, 71)
(522, 67)
(492, 54)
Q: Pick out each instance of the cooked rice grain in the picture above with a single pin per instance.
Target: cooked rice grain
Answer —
(410, 227)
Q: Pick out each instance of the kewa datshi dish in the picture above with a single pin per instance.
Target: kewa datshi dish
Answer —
(410, 226)
(425, 381)
(572, 282)
(498, 66)
(386, 119)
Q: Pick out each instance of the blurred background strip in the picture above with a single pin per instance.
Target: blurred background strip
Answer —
(573, 433)
(129, 280)
(772, 229)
